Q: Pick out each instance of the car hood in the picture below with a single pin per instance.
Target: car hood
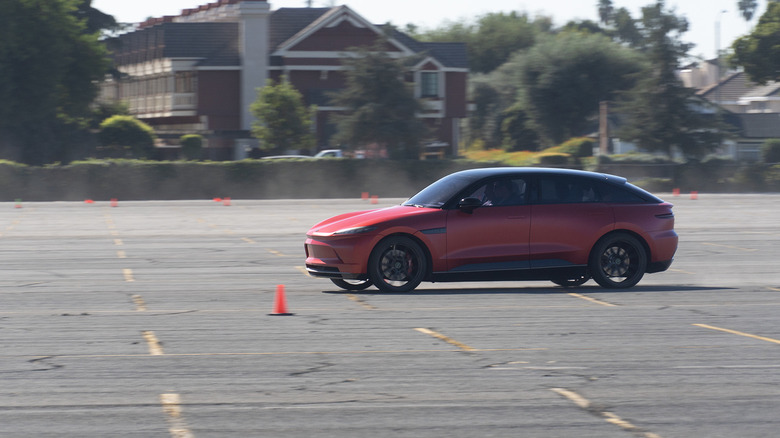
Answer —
(380, 218)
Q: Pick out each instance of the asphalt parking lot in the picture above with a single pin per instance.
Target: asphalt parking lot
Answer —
(151, 319)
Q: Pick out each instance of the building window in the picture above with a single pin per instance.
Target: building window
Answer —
(185, 82)
(429, 84)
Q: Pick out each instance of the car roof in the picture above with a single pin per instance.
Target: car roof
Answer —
(499, 171)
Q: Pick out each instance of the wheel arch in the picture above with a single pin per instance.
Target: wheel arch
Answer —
(426, 251)
(635, 235)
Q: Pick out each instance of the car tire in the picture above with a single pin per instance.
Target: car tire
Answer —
(397, 264)
(571, 282)
(618, 261)
(351, 284)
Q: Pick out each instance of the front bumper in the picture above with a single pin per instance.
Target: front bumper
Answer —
(332, 272)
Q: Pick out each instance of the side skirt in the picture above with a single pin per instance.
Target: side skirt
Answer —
(536, 274)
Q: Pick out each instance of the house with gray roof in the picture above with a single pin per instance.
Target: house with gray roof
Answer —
(753, 110)
(198, 72)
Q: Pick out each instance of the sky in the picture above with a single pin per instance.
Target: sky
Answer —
(705, 17)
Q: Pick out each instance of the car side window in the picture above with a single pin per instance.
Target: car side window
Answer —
(619, 195)
(501, 192)
(556, 189)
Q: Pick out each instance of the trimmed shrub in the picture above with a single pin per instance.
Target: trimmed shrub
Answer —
(127, 136)
(191, 146)
(770, 151)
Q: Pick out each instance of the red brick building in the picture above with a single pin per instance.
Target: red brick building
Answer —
(198, 72)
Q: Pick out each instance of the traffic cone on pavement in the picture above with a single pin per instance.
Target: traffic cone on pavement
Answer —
(280, 305)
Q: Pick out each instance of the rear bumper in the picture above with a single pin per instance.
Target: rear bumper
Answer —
(659, 266)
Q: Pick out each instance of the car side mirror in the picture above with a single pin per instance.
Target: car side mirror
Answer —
(467, 205)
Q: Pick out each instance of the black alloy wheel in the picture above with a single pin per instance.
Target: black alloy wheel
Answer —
(397, 264)
(618, 261)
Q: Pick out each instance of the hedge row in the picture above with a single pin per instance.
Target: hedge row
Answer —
(246, 179)
(280, 179)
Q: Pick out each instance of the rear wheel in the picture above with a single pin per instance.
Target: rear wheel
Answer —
(397, 264)
(351, 284)
(618, 261)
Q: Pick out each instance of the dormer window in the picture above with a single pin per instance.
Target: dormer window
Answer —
(429, 84)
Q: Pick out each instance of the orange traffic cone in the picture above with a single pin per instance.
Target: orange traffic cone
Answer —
(114, 202)
(375, 199)
(280, 306)
(694, 195)
(226, 202)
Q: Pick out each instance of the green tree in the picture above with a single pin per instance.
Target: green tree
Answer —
(564, 77)
(126, 136)
(380, 105)
(759, 51)
(747, 8)
(493, 39)
(49, 67)
(660, 110)
(283, 120)
(606, 11)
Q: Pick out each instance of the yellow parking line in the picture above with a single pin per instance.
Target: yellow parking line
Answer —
(774, 289)
(155, 349)
(121, 254)
(734, 332)
(357, 299)
(171, 404)
(118, 242)
(609, 417)
(128, 273)
(276, 253)
(444, 338)
(681, 271)
(140, 305)
(248, 240)
(592, 300)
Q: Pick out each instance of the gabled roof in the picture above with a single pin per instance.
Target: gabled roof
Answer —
(287, 22)
(215, 44)
(291, 25)
(768, 90)
(451, 55)
(756, 125)
(731, 88)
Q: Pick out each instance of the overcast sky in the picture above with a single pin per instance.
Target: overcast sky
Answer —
(703, 15)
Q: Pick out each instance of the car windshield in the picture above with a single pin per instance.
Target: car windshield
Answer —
(438, 193)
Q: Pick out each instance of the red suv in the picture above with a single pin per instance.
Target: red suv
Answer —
(491, 224)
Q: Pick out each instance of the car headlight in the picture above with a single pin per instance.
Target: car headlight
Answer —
(355, 230)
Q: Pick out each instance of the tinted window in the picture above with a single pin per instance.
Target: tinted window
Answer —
(501, 192)
(622, 194)
(565, 189)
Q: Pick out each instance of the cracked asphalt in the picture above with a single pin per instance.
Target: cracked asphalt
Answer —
(151, 319)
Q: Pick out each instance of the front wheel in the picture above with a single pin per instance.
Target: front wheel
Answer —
(351, 284)
(397, 264)
(618, 261)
